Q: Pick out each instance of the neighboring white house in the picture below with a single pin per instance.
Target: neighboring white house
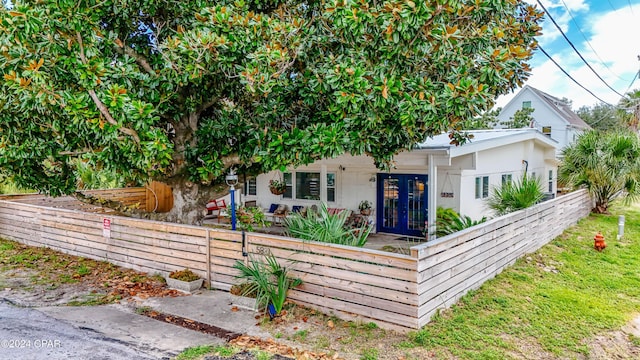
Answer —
(552, 116)
(434, 174)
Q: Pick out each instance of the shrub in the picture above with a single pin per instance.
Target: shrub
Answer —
(448, 221)
(268, 280)
(516, 195)
(324, 227)
(250, 216)
(184, 275)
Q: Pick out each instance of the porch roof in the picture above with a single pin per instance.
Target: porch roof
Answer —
(485, 139)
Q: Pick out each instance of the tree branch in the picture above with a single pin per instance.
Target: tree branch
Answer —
(121, 48)
(204, 106)
(101, 107)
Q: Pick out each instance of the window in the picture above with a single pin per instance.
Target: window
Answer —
(250, 187)
(550, 181)
(331, 187)
(546, 130)
(526, 104)
(506, 178)
(288, 194)
(482, 187)
(308, 185)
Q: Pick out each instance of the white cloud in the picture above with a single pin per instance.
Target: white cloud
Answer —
(612, 34)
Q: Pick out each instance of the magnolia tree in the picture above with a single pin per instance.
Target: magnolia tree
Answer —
(182, 91)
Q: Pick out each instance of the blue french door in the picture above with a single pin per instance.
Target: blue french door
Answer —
(402, 203)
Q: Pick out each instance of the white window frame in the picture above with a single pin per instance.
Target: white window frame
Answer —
(507, 178)
(250, 184)
(482, 187)
(292, 191)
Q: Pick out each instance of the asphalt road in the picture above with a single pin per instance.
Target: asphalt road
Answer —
(27, 333)
(90, 333)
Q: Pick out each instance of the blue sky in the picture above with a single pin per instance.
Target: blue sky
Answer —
(605, 32)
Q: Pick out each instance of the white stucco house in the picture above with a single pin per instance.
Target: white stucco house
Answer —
(552, 116)
(435, 173)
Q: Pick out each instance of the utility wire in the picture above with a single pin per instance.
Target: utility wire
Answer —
(630, 7)
(576, 50)
(589, 43)
(614, 9)
(570, 77)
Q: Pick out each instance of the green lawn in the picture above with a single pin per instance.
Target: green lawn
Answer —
(552, 302)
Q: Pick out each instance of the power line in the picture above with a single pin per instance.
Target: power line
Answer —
(576, 50)
(614, 9)
(589, 43)
(570, 77)
(630, 7)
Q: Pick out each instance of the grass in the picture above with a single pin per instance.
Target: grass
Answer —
(194, 352)
(558, 298)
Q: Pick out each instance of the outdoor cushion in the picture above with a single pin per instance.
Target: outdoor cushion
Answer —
(273, 208)
(296, 208)
(281, 210)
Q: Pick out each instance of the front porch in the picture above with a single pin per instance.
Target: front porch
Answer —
(388, 242)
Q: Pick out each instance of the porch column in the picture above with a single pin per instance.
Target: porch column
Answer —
(431, 201)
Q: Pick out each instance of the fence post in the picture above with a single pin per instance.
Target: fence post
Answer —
(208, 252)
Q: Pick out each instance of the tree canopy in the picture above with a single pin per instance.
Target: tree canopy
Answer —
(188, 89)
(607, 117)
(607, 164)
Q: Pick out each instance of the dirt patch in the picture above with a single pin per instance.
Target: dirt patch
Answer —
(244, 355)
(306, 328)
(614, 345)
(31, 276)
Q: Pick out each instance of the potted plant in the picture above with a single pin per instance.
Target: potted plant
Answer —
(184, 280)
(277, 186)
(365, 207)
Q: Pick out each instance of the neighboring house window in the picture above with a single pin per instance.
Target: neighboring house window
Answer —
(546, 130)
(506, 178)
(550, 181)
(250, 187)
(288, 194)
(482, 187)
(331, 187)
(526, 104)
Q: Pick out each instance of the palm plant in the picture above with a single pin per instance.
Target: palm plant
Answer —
(325, 227)
(269, 280)
(515, 195)
(448, 221)
(606, 164)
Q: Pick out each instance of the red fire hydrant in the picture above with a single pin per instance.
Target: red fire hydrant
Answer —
(598, 242)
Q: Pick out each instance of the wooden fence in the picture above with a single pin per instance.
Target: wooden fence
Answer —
(156, 197)
(396, 291)
(451, 266)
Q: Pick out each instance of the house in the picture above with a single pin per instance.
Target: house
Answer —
(552, 116)
(435, 173)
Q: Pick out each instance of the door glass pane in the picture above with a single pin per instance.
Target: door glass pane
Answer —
(390, 194)
(416, 204)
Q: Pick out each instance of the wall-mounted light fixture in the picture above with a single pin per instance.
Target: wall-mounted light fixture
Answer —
(372, 178)
(342, 168)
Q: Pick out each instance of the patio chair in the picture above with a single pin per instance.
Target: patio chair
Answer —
(214, 207)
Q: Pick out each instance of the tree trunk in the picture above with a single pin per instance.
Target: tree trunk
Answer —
(189, 200)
